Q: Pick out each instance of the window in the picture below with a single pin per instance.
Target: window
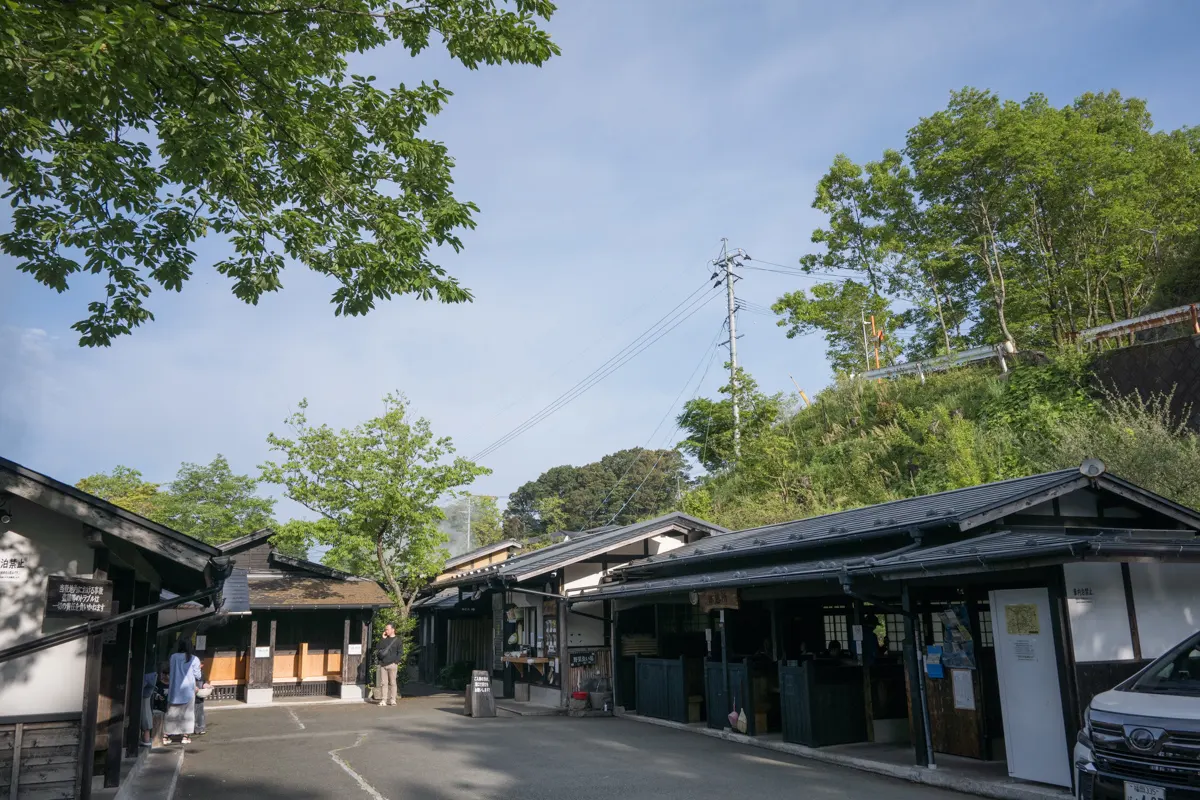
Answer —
(835, 626)
(936, 631)
(1177, 672)
(682, 619)
(894, 625)
(985, 629)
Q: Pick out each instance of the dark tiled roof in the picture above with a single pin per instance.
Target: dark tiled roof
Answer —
(248, 539)
(984, 552)
(935, 510)
(288, 591)
(446, 598)
(586, 545)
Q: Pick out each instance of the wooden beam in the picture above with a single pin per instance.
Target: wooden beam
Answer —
(75, 508)
(347, 678)
(118, 688)
(91, 692)
(15, 773)
(138, 652)
(1130, 609)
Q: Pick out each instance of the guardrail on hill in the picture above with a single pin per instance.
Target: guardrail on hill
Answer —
(1159, 319)
(983, 353)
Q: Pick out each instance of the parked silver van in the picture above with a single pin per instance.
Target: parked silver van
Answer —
(1141, 740)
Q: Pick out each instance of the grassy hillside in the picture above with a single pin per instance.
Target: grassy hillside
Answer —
(867, 442)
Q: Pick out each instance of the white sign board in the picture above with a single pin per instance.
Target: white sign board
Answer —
(14, 568)
(354, 650)
(201, 641)
(964, 689)
(262, 652)
(856, 633)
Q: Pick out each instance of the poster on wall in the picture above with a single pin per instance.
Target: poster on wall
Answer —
(1021, 619)
(958, 646)
(13, 568)
(964, 689)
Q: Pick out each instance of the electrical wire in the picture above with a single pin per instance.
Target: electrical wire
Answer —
(669, 322)
(801, 270)
(712, 346)
(673, 431)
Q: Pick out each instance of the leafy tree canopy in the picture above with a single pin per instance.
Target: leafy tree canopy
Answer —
(620, 488)
(1008, 220)
(130, 129)
(709, 423)
(480, 515)
(377, 485)
(206, 501)
(211, 503)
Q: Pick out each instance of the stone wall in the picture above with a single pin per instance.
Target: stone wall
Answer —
(1157, 368)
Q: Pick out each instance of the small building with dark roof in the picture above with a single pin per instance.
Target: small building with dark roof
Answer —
(977, 622)
(306, 630)
(536, 648)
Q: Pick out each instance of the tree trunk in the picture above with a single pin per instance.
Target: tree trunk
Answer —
(995, 272)
(937, 298)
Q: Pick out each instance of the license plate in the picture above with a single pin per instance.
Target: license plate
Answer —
(1142, 791)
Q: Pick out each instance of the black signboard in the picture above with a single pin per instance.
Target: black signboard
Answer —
(583, 659)
(81, 598)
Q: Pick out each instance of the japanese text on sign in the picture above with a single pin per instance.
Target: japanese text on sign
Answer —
(14, 569)
(78, 597)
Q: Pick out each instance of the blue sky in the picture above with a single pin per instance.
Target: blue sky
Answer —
(606, 180)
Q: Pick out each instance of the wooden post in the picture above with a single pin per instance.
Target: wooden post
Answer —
(916, 695)
(251, 672)
(138, 652)
(271, 659)
(347, 676)
(302, 655)
(564, 661)
(91, 685)
(118, 689)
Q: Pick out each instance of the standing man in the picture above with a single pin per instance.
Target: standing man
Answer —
(388, 652)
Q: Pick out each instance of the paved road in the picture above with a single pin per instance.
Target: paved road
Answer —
(424, 749)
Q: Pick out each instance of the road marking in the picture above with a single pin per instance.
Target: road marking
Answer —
(292, 713)
(341, 762)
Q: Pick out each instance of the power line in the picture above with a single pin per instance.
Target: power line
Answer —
(669, 322)
(711, 346)
(676, 428)
(803, 271)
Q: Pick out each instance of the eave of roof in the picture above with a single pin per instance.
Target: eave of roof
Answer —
(961, 509)
(979, 554)
(110, 518)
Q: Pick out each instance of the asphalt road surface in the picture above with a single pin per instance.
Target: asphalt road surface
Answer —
(425, 748)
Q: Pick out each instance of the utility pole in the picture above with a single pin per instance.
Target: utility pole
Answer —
(727, 262)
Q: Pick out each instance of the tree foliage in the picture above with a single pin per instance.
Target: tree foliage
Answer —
(1004, 220)
(378, 486)
(212, 504)
(206, 501)
(708, 424)
(477, 514)
(131, 129)
(619, 489)
(125, 487)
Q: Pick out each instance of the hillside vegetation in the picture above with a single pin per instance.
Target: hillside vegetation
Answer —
(864, 442)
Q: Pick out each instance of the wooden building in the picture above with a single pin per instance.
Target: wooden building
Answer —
(449, 632)
(81, 584)
(977, 622)
(540, 650)
(307, 631)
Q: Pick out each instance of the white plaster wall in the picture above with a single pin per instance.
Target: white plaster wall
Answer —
(585, 631)
(1099, 615)
(1167, 599)
(582, 576)
(49, 682)
(663, 544)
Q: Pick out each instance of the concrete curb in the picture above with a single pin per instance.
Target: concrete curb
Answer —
(913, 774)
(530, 710)
(333, 701)
(155, 776)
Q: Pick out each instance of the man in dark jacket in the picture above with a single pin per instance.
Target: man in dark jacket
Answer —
(388, 652)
